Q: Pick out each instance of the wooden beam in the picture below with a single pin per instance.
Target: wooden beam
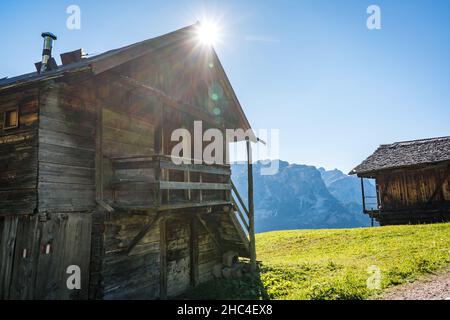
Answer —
(219, 170)
(186, 205)
(139, 162)
(171, 185)
(141, 234)
(251, 208)
(208, 230)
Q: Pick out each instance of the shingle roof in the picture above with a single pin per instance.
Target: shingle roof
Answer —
(406, 154)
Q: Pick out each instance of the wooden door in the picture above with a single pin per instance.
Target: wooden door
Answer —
(35, 255)
(18, 255)
(8, 231)
(65, 241)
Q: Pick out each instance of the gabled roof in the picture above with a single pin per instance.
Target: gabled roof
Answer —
(105, 61)
(113, 58)
(406, 154)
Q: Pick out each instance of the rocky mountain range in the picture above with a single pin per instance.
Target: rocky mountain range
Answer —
(303, 197)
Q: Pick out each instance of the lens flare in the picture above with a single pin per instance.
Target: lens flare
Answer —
(208, 33)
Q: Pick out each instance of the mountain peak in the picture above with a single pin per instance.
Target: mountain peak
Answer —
(302, 196)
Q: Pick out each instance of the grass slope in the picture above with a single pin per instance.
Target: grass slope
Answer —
(335, 264)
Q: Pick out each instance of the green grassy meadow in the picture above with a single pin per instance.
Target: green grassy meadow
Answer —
(336, 264)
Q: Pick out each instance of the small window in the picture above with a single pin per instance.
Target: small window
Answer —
(11, 119)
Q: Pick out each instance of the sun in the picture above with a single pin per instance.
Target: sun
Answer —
(208, 33)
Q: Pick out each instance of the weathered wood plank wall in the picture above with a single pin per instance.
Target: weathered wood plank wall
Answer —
(18, 155)
(128, 129)
(160, 265)
(178, 235)
(133, 275)
(420, 195)
(414, 189)
(66, 151)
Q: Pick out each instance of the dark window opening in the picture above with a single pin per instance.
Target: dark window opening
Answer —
(11, 119)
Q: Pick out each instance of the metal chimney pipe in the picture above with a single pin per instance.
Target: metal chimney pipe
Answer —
(47, 51)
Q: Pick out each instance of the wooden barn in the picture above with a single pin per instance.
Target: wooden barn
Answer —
(412, 182)
(87, 178)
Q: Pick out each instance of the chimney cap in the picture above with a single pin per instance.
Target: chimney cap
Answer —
(48, 34)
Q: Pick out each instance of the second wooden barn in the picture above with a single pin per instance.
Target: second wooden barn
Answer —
(412, 182)
(87, 180)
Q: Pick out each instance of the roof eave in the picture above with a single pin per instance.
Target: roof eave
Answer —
(374, 172)
(35, 80)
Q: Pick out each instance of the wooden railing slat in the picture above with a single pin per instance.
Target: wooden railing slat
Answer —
(238, 196)
(244, 221)
(170, 185)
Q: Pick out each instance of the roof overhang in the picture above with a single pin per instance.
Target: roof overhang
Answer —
(101, 63)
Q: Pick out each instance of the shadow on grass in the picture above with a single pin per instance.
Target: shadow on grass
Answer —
(248, 287)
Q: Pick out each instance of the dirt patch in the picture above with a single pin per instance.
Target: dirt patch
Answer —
(433, 287)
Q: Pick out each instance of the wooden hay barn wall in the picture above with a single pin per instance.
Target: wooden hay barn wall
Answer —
(60, 201)
(52, 163)
(412, 180)
(411, 195)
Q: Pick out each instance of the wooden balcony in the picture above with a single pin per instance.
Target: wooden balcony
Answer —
(157, 182)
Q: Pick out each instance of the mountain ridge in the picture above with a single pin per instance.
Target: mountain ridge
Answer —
(303, 197)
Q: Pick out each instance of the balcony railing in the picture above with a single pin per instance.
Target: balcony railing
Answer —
(158, 182)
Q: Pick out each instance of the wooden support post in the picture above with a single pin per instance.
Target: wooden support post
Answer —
(226, 159)
(363, 196)
(99, 155)
(377, 188)
(194, 251)
(158, 194)
(200, 192)
(187, 178)
(163, 260)
(166, 177)
(251, 208)
(159, 131)
(159, 150)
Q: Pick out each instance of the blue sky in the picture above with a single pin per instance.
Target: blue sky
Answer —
(310, 68)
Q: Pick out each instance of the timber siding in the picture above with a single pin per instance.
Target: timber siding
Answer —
(66, 151)
(412, 180)
(18, 155)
